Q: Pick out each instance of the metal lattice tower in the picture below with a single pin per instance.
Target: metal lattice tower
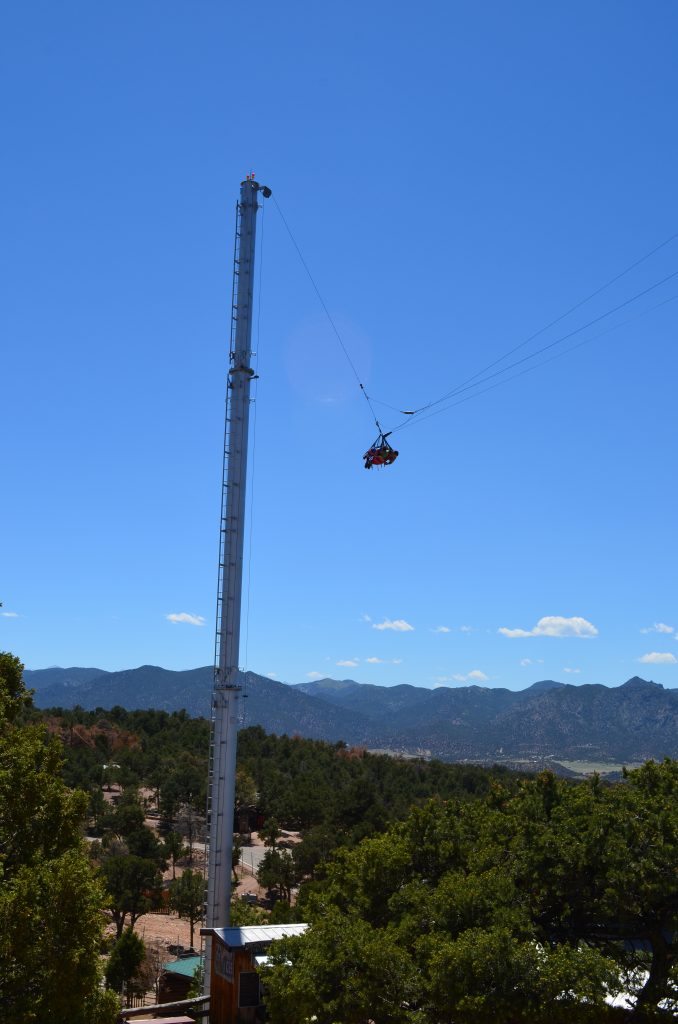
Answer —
(227, 694)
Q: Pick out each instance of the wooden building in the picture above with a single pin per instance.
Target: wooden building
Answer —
(177, 978)
(235, 993)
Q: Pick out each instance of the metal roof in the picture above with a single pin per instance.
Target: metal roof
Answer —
(185, 966)
(254, 934)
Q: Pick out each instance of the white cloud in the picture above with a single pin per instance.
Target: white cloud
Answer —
(271, 675)
(365, 618)
(193, 620)
(466, 629)
(554, 625)
(531, 661)
(399, 625)
(476, 676)
(348, 663)
(314, 675)
(384, 661)
(658, 627)
(10, 615)
(441, 629)
(572, 671)
(658, 658)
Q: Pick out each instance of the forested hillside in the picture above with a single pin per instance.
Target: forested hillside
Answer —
(333, 794)
(546, 721)
(435, 892)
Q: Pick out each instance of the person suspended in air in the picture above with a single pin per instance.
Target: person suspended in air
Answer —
(380, 453)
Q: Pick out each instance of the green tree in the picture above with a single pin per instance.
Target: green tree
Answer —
(524, 905)
(342, 970)
(14, 696)
(270, 832)
(197, 983)
(489, 974)
(600, 863)
(277, 870)
(243, 913)
(285, 913)
(245, 788)
(111, 775)
(132, 887)
(184, 784)
(190, 825)
(127, 816)
(315, 848)
(187, 897)
(97, 808)
(50, 903)
(127, 822)
(126, 958)
(144, 843)
(174, 849)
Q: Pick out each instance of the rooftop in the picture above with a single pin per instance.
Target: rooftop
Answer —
(186, 966)
(254, 934)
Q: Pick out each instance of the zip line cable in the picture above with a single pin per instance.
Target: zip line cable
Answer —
(327, 314)
(479, 378)
(529, 369)
(531, 355)
(557, 320)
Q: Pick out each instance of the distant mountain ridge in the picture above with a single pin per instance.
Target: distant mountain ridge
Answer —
(632, 722)
(44, 677)
(275, 706)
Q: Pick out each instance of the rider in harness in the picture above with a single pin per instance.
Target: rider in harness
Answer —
(380, 454)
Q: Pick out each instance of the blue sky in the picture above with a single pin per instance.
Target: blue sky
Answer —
(457, 176)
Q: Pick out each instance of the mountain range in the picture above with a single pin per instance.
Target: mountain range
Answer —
(549, 720)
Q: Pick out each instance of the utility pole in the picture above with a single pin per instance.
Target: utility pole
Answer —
(227, 694)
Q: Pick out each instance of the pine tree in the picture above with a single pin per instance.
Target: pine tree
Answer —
(50, 903)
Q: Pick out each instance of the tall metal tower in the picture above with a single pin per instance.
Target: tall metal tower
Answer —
(227, 693)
